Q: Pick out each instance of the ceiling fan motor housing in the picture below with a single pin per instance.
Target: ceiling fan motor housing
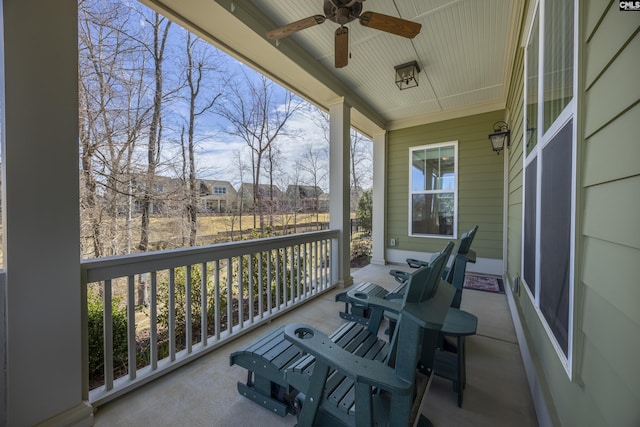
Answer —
(342, 11)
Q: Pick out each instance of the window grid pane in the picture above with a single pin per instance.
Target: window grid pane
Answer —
(555, 233)
(558, 58)
(433, 190)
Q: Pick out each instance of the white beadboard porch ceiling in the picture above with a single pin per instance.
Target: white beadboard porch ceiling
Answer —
(465, 51)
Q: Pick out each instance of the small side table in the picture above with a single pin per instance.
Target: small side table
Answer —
(451, 364)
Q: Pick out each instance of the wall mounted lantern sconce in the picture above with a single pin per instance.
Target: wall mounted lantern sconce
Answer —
(501, 135)
(407, 75)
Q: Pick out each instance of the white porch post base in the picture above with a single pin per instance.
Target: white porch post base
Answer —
(79, 416)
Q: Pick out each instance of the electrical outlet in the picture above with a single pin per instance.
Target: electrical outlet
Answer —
(393, 242)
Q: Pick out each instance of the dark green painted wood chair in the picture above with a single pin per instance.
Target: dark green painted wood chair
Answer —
(284, 373)
(454, 275)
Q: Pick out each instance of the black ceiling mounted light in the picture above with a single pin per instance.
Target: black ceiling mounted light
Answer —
(500, 137)
(407, 75)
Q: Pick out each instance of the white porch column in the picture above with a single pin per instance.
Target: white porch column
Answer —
(44, 361)
(379, 195)
(339, 188)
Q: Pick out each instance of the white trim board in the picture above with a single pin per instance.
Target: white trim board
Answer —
(535, 386)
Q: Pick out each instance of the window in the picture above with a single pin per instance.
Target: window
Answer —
(549, 171)
(433, 189)
(219, 190)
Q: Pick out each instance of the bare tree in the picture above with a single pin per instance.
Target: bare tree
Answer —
(257, 112)
(112, 115)
(315, 165)
(199, 66)
(160, 28)
(361, 165)
(241, 169)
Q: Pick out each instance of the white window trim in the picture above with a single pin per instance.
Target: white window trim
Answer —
(455, 191)
(544, 138)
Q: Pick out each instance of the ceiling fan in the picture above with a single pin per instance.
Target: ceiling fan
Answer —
(342, 12)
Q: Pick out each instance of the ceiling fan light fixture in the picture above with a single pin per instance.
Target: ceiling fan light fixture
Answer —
(407, 75)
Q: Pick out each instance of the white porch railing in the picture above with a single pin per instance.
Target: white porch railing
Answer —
(175, 306)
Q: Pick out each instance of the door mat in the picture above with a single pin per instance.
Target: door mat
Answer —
(483, 283)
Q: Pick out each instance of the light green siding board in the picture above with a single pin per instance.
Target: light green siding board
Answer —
(608, 401)
(605, 371)
(611, 212)
(615, 91)
(618, 283)
(615, 30)
(480, 180)
(604, 158)
(594, 10)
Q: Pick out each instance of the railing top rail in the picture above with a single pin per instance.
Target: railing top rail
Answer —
(98, 269)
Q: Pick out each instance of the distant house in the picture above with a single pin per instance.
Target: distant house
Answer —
(271, 196)
(166, 193)
(307, 198)
(217, 196)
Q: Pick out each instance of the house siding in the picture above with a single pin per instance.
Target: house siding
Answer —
(606, 387)
(480, 183)
(610, 234)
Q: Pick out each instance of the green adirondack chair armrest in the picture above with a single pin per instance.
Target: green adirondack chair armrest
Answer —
(361, 370)
(369, 301)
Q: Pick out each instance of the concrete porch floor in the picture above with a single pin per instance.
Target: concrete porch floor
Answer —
(203, 393)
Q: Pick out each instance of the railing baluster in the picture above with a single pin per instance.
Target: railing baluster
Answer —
(153, 314)
(229, 296)
(316, 260)
(260, 286)
(308, 271)
(285, 285)
(204, 311)
(187, 308)
(278, 277)
(172, 314)
(216, 298)
(250, 310)
(327, 261)
(108, 335)
(240, 293)
(299, 260)
(292, 275)
(324, 262)
(131, 327)
(269, 283)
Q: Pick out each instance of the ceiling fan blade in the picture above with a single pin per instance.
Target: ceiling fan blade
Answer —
(286, 30)
(390, 24)
(342, 47)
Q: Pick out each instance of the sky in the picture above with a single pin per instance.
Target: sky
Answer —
(217, 151)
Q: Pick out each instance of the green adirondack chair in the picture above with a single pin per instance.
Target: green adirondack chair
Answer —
(343, 388)
(454, 275)
(282, 373)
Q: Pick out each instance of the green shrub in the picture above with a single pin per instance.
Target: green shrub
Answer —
(364, 212)
(361, 248)
(96, 332)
